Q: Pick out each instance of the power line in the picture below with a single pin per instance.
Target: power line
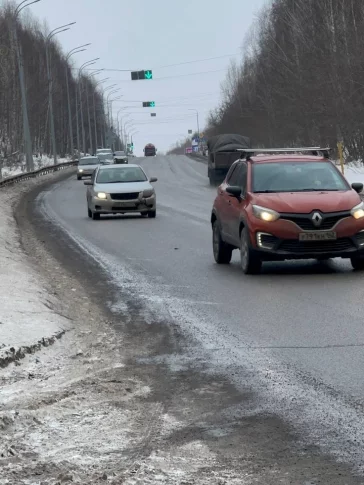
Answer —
(173, 65)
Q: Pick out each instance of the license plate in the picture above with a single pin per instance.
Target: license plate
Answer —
(127, 205)
(318, 236)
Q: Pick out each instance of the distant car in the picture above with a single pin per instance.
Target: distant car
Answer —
(103, 150)
(106, 158)
(86, 166)
(120, 157)
(120, 189)
(278, 207)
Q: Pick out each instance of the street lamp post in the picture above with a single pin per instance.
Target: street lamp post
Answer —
(54, 32)
(103, 104)
(95, 118)
(110, 113)
(76, 50)
(19, 52)
(86, 64)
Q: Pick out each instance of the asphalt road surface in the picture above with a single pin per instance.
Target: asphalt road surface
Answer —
(298, 326)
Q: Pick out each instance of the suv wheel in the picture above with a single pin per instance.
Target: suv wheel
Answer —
(357, 263)
(250, 263)
(222, 251)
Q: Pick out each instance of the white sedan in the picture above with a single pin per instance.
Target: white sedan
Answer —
(120, 189)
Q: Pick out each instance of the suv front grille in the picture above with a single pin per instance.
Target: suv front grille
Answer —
(130, 196)
(304, 221)
(295, 246)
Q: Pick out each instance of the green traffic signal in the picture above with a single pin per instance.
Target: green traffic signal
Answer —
(148, 74)
(152, 104)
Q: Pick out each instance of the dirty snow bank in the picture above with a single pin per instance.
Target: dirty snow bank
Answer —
(27, 318)
(20, 167)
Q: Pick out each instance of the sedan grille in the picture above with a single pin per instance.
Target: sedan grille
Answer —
(130, 196)
(304, 221)
(295, 246)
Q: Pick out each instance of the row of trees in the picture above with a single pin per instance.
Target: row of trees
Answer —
(32, 40)
(301, 78)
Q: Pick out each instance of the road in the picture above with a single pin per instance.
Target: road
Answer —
(297, 328)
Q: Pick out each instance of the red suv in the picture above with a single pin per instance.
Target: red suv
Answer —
(278, 207)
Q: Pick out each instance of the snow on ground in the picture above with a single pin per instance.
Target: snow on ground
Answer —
(20, 167)
(354, 172)
(27, 320)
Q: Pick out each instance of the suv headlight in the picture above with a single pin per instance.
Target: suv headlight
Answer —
(101, 195)
(358, 211)
(148, 193)
(267, 215)
(80, 169)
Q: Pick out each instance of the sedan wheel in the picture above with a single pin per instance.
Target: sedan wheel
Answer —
(250, 263)
(95, 216)
(357, 263)
(89, 213)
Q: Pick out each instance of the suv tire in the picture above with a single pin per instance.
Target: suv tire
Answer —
(357, 263)
(222, 251)
(250, 262)
(152, 214)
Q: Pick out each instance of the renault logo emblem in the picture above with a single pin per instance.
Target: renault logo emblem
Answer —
(317, 219)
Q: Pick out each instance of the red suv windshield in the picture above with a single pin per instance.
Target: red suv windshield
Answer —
(297, 177)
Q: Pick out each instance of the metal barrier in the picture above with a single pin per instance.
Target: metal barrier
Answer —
(36, 173)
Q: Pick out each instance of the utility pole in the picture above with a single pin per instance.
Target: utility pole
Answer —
(19, 52)
(54, 32)
(103, 104)
(198, 126)
(89, 120)
(76, 50)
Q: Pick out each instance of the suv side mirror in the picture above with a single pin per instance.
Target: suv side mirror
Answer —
(234, 190)
(88, 182)
(357, 186)
(153, 179)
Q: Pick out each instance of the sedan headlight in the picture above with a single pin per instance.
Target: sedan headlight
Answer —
(80, 170)
(148, 193)
(358, 211)
(267, 215)
(101, 195)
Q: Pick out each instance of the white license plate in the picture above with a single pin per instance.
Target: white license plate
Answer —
(318, 236)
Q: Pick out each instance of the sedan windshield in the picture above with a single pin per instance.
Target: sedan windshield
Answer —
(89, 161)
(121, 175)
(297, 177)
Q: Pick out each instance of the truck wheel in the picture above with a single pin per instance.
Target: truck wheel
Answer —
(250, 262)
(222, 251)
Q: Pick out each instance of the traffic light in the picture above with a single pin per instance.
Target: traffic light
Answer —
(138, 75)
(148, 104)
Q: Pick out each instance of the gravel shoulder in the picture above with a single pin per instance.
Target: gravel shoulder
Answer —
(126, 398)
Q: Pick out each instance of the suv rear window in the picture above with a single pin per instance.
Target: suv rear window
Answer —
(297, 177)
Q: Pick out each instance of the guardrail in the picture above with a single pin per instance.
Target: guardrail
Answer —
(36, 173)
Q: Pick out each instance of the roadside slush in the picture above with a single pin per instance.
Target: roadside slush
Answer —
(127, 398)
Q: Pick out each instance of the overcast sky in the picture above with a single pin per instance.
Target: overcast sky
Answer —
(145, 34)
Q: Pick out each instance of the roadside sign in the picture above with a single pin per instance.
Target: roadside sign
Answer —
(153, 114)
(190, 132)
(188, 149)
(195, 148)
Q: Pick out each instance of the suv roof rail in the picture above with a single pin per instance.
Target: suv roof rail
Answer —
(249, 152)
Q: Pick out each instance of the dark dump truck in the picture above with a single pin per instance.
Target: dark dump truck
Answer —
(150, 150)
(223, 153)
